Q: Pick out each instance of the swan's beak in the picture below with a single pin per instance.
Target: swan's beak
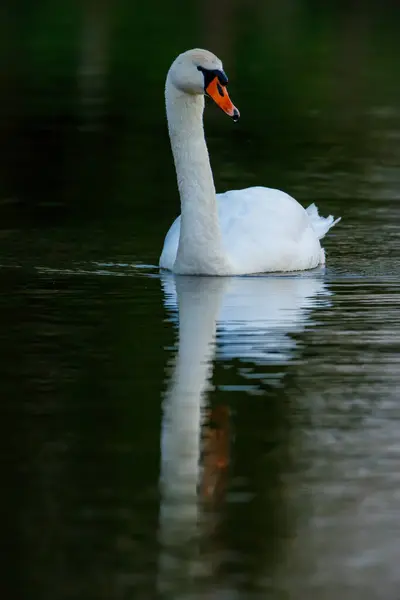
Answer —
(220, 95)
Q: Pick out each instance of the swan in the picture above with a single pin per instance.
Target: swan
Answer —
(239, 232)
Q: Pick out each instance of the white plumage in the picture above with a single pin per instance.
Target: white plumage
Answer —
(263, 230)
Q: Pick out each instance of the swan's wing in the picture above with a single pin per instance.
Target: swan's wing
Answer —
(263, 210)
(267, 230)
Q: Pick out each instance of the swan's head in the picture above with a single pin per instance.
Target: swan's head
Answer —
(200, 72)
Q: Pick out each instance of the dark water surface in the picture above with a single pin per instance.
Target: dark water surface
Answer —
(247, 447)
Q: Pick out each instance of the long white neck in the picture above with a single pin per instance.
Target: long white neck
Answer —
(200, 249)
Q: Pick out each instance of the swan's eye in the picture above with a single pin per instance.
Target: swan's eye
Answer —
(223, 79)
(210, 74)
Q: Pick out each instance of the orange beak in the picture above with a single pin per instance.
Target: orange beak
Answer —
(220, 95)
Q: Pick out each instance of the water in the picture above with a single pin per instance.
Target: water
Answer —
(188, 437)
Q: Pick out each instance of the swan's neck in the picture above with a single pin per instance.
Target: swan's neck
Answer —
(200, 248)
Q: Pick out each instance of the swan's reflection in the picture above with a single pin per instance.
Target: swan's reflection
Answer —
(255, 316)
(256, 313)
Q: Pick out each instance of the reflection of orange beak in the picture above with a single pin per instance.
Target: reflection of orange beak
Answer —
(220, 95)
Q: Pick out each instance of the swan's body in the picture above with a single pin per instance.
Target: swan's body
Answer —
(239, 232)
(262, 230)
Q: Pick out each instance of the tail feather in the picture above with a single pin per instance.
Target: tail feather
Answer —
(321, 225)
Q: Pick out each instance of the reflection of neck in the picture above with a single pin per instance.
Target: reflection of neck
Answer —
(198, 309)
(199, 300)
(200, 247)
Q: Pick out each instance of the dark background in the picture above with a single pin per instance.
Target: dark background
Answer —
(87, 192)
(83, 130)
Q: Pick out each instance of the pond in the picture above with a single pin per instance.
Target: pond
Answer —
(183, 437)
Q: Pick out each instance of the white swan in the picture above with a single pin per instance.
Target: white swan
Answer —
(239, 232)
